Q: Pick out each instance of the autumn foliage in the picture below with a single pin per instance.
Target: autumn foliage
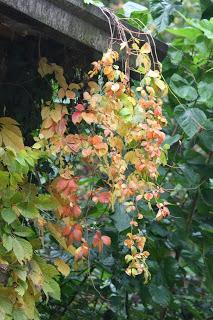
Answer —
(111, 157)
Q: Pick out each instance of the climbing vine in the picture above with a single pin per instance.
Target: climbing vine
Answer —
(102, 140)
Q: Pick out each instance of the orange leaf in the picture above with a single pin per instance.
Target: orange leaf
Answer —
(66, 231)
(108, 70)
(77, 234)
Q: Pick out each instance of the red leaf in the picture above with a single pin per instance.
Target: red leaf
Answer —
(96, 238)
(79, 107)
(104, 197)
(61, 184)
(76, 211)
(77, 234)
(66, 231)
(60, 128)
(78, 254)
(76, 117)
(106, 240)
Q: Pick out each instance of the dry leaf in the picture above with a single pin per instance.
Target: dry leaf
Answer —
(10, 134)
(62, 267)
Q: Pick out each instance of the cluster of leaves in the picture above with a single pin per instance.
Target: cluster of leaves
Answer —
(114, 121)
(24, 275)
(103, 142)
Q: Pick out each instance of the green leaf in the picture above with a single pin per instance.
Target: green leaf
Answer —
(19, 314)
(18, 250)
(190, 120)
(46, 202)
(207, 27)
(131, 7)
(205, 4)
(205, 91)
(189, 32)
(28, 210)
(7, 242)
(206, 227)
(139, 18)
(209, 270)
(206, 136)
(47, 269)
(23, 231)
(6, 305)
(121, 218)
(126, 111)
(162, 12)
(52, 288)
(22, 249)
(4, 179)
(21, 288)
(160, 295)
(182, 89)
(8, 215)
(175, 56)
(2, 314)
(170, 140)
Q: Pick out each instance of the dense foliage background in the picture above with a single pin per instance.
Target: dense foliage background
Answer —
(181, 247)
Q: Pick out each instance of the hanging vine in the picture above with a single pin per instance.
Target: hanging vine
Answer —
(104, 140)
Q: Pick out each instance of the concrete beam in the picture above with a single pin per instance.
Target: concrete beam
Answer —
(61, 20)
(71, 19)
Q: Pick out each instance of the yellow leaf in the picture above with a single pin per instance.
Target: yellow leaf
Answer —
(135, 46)
(60, 78)
(44, 68)
(131, 157)
(47, 123)
(153, 74)
(8, 121)
(12, 139)
(56, 113)
(162, 85)
(37, 145)
(132, 100)
(62, 267)
(89, 117)
(74, 86)
(94, 86)
(146, 48)
(45, 112)
(70, 94)
(35, 274)
(29, 305)
(61, 93)
(116, 142)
